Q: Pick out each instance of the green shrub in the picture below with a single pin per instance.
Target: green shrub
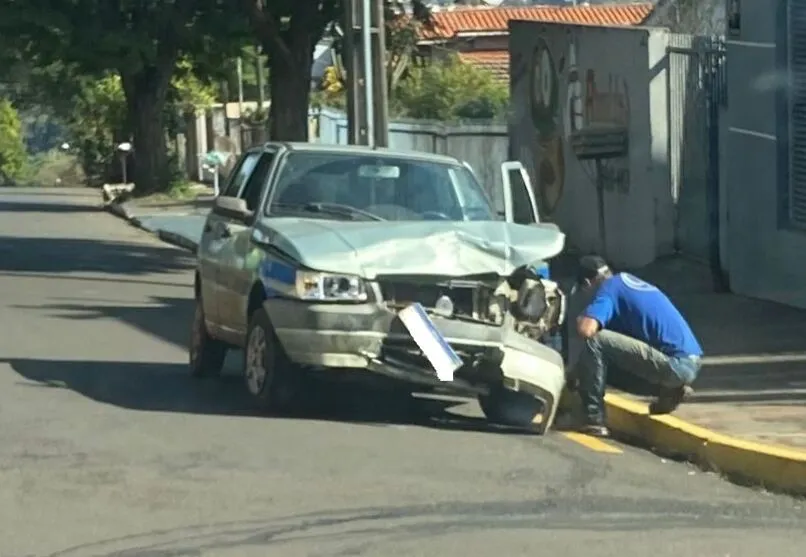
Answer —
(13, 154)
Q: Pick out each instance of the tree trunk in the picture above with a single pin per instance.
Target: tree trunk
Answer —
(145, 94)
(290, 87)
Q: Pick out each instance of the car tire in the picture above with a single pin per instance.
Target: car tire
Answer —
(206, 353)
(268, 374)
(510, 408)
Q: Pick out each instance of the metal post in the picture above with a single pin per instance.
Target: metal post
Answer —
(240, 89)
(381, 89)
(366, 43)
(261, 88)
(356, 114)
(600, 202)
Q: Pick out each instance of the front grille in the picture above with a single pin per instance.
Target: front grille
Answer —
(399, 294)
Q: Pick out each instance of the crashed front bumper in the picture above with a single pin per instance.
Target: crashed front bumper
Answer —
(351, 335)
(358, 336)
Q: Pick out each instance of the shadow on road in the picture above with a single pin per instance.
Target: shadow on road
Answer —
(169, 388)
(166, 318)
(66, 255)
(50, 192)
(28, 207)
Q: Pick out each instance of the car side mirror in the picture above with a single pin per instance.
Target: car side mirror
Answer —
(233, 208)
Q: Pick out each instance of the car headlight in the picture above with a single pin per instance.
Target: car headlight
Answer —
(327, 287)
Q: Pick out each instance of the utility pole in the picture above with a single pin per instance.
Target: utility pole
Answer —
(365, 64)
(354, 67)
(259, 74)
(380, 81)
(239, 71)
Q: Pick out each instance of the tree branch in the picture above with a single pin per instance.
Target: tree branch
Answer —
(266, 28)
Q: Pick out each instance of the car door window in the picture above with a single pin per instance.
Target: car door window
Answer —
(522, 212)
(256, 183)
(240, 173)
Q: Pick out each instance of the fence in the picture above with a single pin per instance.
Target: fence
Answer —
(697, 95)
(483, 145)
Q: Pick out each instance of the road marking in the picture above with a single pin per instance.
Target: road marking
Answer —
(591, 442)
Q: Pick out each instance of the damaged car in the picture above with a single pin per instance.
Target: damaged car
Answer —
(325, 258)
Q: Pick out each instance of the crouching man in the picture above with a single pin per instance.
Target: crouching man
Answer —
(633, 327)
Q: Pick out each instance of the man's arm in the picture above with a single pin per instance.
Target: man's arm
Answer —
(587, 326)
(597, 315)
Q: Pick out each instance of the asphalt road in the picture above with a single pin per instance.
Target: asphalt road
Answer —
(107, 447)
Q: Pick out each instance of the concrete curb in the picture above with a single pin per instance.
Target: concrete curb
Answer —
(178, 240)
(166, 236)
(771, 467)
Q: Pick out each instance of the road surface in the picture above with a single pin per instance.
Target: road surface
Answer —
(107, 447)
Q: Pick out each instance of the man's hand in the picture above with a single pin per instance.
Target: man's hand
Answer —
(587, 327)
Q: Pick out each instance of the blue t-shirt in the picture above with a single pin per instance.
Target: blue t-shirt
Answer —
(626, 304)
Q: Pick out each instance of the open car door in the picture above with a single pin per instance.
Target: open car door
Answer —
(520, 205)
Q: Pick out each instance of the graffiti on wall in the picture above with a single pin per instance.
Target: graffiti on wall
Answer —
(567, 100)
(544, 95)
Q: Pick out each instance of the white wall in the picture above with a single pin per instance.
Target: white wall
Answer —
(621, 84)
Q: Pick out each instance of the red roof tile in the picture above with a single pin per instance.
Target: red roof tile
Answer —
(494, 61)
(447, 24)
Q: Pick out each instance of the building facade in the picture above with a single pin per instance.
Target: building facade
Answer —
(764, 154)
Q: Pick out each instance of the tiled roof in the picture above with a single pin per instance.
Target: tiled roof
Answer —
(447, 24)
(494, 61)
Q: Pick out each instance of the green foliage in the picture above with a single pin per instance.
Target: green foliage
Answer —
(52, 168)
(451, 90)
(189, 91)
(12, 146)
(96, 123)
(143, 42)
(446, 90)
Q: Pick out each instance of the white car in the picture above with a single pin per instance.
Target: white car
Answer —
(396, 263)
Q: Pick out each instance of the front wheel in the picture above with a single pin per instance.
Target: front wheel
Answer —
(267, 372)
(511, 408)
(206, 353)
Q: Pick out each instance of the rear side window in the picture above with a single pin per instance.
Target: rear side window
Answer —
(240, 174)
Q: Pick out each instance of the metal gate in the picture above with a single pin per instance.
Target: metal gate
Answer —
(697, 94)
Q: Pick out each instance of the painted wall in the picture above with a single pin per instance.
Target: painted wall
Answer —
(765, 258)
(572, 82)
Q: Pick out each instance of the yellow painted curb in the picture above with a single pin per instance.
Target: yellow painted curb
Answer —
(778, 468)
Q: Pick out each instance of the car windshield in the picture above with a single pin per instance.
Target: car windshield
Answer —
(381, 186)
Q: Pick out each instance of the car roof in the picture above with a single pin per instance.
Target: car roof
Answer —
(360, 150)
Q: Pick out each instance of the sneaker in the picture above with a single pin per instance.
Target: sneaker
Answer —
(669, 399)
(595, 430)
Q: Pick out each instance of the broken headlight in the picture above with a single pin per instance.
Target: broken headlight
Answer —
(531, 303)
(326, 287)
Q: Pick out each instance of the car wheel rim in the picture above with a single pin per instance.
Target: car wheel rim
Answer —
(255, 361)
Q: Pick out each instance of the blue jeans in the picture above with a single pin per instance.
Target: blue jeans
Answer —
(607, 349)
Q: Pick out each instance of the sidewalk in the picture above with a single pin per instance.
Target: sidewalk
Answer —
(753, 382)
(747, 418)
(179, 223)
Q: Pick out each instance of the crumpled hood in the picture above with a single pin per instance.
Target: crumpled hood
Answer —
(435, 248)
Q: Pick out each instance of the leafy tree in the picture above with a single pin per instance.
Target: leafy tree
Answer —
(141, 41)
(288, 31)
(12, 146)
(451, 90)
(696, 17)
(96, 124)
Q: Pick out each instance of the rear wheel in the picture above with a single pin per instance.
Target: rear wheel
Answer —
(511, 408)
(268, 373)
(206, 353)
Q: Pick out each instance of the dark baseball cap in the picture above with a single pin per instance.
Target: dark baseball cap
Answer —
(590, 266)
